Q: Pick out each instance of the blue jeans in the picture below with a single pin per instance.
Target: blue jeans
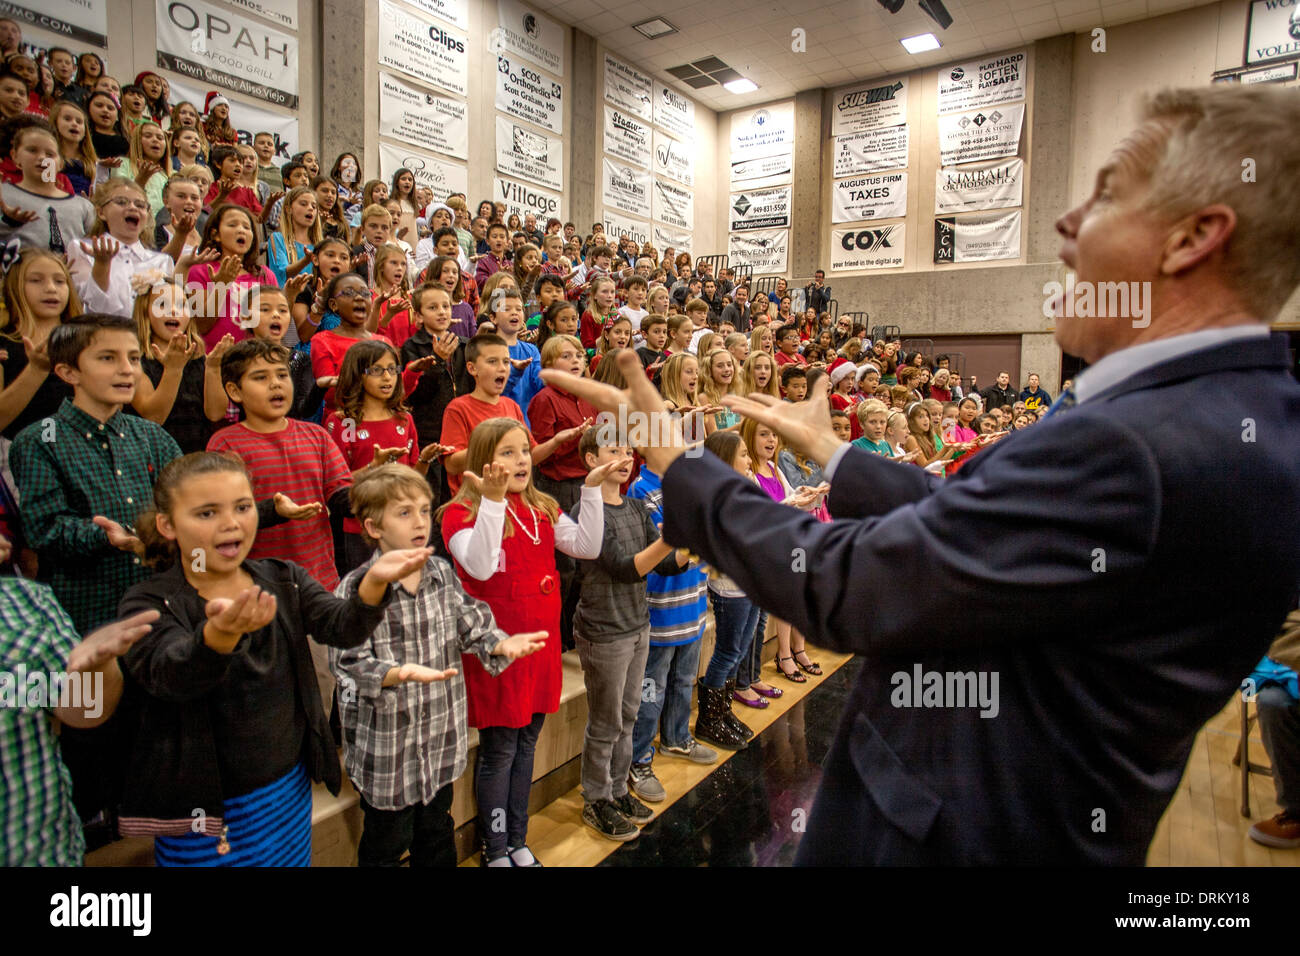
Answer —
(503, 782)
(749, 668)
(666, 698)
(1279, 725)
(734, 620)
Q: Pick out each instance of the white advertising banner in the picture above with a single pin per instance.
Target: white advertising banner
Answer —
(768, 171)
(760, 209)
(869, 197)
(768, 131)
(673, 205)
(422, 49)
(525, 93)
(85, 21)
(625, 188)
(526, 33)
(880, 247)
(674, 112)
(1272, 30)
(994, 185)
(248, 120)
(283, 12)
(627, 137)
(978, 135)
(673, 159)
(214, 47)
(871, 151)
(442, 177)
(764, 251)
(628, 88)
(977, 239)
(617, 226)
(667, 238)
(524, 198)
(530, 155)
(423, 119)
(455, 12)
(867, 107)
(980, 83)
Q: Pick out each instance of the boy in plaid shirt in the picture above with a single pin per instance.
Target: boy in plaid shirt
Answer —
(401, 695)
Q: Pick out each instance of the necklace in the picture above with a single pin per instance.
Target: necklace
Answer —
(535, 535)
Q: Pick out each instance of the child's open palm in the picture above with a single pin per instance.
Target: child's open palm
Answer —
(521, 363)
(119, 537)
(395, 565)
(418, 673)
(229, 271)
(492, 484)
(569, 434)
(521, 645)
(102, 249)
(285, 507)
(110, 641)
(596, 477)
(251, 610)
(177, 353)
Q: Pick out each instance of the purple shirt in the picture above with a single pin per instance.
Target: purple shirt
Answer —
(463, 322)
(773, 487)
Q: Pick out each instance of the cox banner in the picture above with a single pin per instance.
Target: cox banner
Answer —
(880, 247)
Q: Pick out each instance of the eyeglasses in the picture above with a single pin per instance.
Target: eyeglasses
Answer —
(123, 202)
(377, 371)
(350, 293)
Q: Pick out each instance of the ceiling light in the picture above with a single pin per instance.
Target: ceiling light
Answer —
(654, 28)
(921, 44)
(741, 85)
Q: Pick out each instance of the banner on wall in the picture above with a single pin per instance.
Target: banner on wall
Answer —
(214, 47)
(1272, 31)
(526, 33)
(880, 247)
(423, 119)
(524, 198)
(530, 155)
(628, 88)
(767, 131)
(627, 137)
(869, 197)
(248, 120)
(625, 188)
(85, 21)
(867, 107)
(760, 209)
(617, 226)
(422, 49)
(666, 238)
(673, 205)
(981, 83)
(283, 12)
(442, 177)
(994, 185)
(672, 159)
(455, 12)
(978, 135)
(764, 251)
(977, 239)
(674, 112)
(873, 150)
(768, 171)
(525, 93)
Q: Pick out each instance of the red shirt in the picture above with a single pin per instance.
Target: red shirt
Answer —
(397, 327)
(328, 349)
(239, 196)
(302, 462)
(783, 359)
(358, 440)
(203, 275)
(552, 411)
(488, 265)
(463, 413)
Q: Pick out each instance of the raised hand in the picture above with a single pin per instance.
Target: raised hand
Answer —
(803, 426)
(178, 352)
(119, 537)
(521, 364)
(327, 381)
(395, 565)
(422, 364)
(492, 484)
(419, 674)
(521, 645)
(199, 258)
(230, 269)
(569, 434)
(147, 169)
(384, 455)
(226, 186)
(223, 345)
(110, 641)
(251, 610)
(285, 507)
(596, 477)
(102, 248)
(295, 286)
(445, 345)
(360, 263)
(37, 355)
(17, 214)
(183, 223)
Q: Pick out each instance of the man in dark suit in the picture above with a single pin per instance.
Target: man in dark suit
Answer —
(1041, 706)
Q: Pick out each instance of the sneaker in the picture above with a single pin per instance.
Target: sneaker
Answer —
(1282, 831)
(603, 817)
(692, 750)
(522, 856)
(633, 809)
(645, 784)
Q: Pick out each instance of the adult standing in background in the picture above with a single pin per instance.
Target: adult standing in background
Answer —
(737, 311)
(817, 294)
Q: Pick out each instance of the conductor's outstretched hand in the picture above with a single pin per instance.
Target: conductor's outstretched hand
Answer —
(804, 426)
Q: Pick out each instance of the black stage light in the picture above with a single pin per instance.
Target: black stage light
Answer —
(893, 6)
(936, 11)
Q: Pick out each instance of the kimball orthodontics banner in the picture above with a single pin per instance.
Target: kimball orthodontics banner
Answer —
(525, 93)
(869, 152)
(422, 49)
(764, 251)
(218, 48)
(977, 239)
(529, 155)
(981, 134)
(868, 107)
(981, 83)
(993, 185)
(880, 247)
(626, 137)
(248, 120)
(429, 121)
(85, 21)
(761, 209)
(443, 178)
(870, 197)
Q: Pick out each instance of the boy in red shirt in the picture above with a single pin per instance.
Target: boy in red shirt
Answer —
(229, 166)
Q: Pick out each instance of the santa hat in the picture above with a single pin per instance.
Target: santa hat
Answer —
(841, 369)
(214, 99)
(142, 74)
(866, 367)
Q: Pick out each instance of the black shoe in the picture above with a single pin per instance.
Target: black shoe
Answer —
(605, 818)
(711, 726)
(633, 809)
(729, 715)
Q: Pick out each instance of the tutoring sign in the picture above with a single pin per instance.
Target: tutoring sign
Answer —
(880, 247)
(981, 134)
(995, 185)
(867, 152)
(423, 119)
(869, 197)
(422, 49)
(977, 239)
(760, 209)
(525, 93)
(981, 83)
(217, 48)
(530, 155)
(616, 225)
(868, 107)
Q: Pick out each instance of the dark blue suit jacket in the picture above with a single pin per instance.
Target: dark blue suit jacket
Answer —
(1184, 480)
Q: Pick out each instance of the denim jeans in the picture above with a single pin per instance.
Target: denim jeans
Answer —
(734, 620)
(613, 673)
(666, 698)
(502, 783)
(749, 668)
(425, 829)
(1279, 725)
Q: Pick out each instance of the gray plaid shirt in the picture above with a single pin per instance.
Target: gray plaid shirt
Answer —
(402, 744)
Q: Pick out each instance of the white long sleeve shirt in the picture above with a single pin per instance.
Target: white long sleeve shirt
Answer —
(478, 549)
(133, 262)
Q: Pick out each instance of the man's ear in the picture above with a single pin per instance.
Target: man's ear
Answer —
(1197, 238)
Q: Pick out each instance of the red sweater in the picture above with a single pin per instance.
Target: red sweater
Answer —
(552, 411)
(358, 440)
(239, 196)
